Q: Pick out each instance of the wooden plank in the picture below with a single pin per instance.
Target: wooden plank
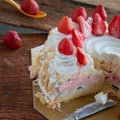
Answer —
(110, 4)
(16, 101)
(56, 9)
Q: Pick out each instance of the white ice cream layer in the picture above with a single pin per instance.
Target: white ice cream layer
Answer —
(65, 63)
(105, 48)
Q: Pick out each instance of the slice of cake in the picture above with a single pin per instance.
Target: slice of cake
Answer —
(65, 74)
(106, 54)
(105, 51)
(69, 65)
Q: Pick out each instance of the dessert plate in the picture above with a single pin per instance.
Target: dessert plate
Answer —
(69, 107)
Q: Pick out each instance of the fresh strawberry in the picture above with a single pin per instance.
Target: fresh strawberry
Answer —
(64, 25)
(84, 27)
(30, 7)
(100, 10)
(81, 11)
(77, 38)
(114, 26)
(12, 40)
(98, 25)
(65, 47)
(81, 57)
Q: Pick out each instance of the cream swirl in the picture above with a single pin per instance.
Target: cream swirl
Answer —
(104, 47)
(53, 39)
(65, 60)
(65, 64)
(55, 35)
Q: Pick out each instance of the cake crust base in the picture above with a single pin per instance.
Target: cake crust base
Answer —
(69, 107)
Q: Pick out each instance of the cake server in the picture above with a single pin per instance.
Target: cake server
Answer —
(90, 109)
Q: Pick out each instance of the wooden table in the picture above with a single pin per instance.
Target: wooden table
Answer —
(55, 9)
(16, 99)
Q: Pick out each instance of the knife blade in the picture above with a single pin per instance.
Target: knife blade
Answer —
(21, 30)
(90, 109)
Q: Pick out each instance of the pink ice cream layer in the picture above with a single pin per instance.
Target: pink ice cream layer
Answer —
(115, 78)
(72, 84)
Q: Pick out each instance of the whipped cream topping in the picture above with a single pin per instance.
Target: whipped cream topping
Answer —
(82, 76)
(65, 64)
(65, 60)
(74, 25)
(104, 47)
(48, 95)
(67, 67)
(53, 38)
(90, 20)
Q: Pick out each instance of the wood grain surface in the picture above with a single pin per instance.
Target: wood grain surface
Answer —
(110, 4)
(16, 99)
(55, 9)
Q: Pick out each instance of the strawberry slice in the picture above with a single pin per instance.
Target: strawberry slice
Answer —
(12, 40)
(81, 11)
(114, 26)
(30, 7)
(66, 47)
(64, 25)
(100, 10)
(81, 57)
(84, 27)
(98, 25)
(77, 38)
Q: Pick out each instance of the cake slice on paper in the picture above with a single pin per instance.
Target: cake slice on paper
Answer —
(68, 65)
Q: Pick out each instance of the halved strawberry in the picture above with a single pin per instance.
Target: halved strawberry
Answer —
(12, 40)
(114, 26)
(77, 38)
(81, 11)
(81, 57)
(30, 7)
(98, 25)
(84, 27)
(100, 10)
(66, 47)
(64, 25)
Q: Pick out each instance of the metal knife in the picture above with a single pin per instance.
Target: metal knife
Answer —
(90, 109)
